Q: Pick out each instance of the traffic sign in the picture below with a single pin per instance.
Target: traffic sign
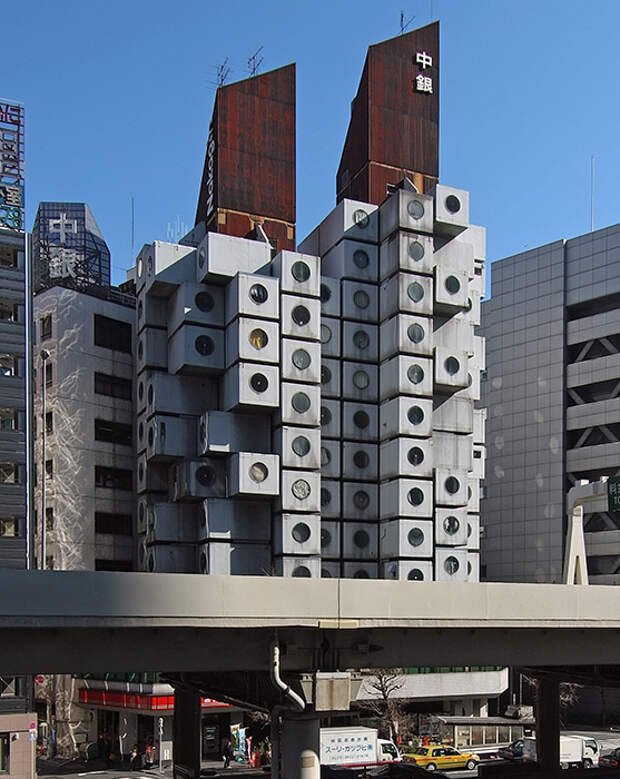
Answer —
(32, 726)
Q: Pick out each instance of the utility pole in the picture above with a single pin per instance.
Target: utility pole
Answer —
(44, 357)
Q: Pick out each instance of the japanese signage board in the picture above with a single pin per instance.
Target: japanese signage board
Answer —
(339, 748)
(11, 165)
(423, 82)
(613, 493)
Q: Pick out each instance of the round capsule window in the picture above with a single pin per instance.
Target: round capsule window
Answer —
(204, 345)
(451, 565)
(361, 259)
(301, 532)
(452, 366)
(205, 475)
(469, 531)
(361, 420)
(415, 415)
(415, 575)
(258, 338)
(361, 339)
(301, 489)
(326, 456)
(361, 379)
(453, 204)
(326, 374)
(326, 415)
(469, 568)
(326, 497)
(302, 572)
(325, 574)
(259, 382)
(452, 285)
(204, 301)
(258, 472)
(361, 298)
(300, 315)
(451, 525)
(326, 537)
(416, 251)
(415, 209)
(326, 293)
(361, 218)
(140, 267)
(415, 373)
(415, 496)
(140, 391)
(258, 294)
(361, 459)
(301, 359)
(452, 485)
(150, 393)
(415, 291)
(415, 333)
(326, 334)
(415, 536)
(361, 499)
(300, 445)
(361, 574)
(300, 271)
(140, 432)
(415, 455)
(361, 539)
(300, 402)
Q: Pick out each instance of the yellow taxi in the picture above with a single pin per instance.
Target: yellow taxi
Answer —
(442, 756)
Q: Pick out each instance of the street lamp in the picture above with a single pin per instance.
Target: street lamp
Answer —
(44, 354)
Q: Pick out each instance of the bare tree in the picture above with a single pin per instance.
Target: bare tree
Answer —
(569, 694)
(383, 687)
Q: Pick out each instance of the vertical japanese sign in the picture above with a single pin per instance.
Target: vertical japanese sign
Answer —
(423, 81)
(613, 493)
(11, 165)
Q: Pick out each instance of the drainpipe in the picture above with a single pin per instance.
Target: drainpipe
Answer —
(297, 703)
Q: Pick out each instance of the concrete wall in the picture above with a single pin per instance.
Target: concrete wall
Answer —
(21, 750)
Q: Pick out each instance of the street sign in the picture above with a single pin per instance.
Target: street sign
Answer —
(613, 493)
(33, 735)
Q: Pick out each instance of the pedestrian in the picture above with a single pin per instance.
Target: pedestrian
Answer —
(227, 753)
(134, 759)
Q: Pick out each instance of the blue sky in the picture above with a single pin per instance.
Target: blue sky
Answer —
(119, 96)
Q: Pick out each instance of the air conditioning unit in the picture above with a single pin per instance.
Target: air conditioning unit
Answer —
(297, 534)
(255, 295)
(406, 334)
(406, 210)
(403, 416)
(360, 381)
(450, 564)
(330, 498)
(169, 523)
(360, 501)
(352, 220)
(451, 290)
(167, 394)
(406, 375)
(152, 349)
(406, 457)
(406, 538)
(360, 342)
(299, 404)
(360, 461)
(408, 253)
(166, 266)
(298, 447)
(253, 475)
(408, 570)
(298, 273)
(329, 333)
(406, 498)
(330, 296)
(360, 540)
(330, 539)
(450, 527)
(450, 370)
(196, 350)
(225, 519)
(360, 421)
(301, 361)
(170, 438)
(222, 432)
(194, 480)
(454, 415)
(220, 257)
(406, 293)
(195, 304)
(300, 317)
(330, 378)
(252, 340)
(451, 210)
(222, 558)
(359, 570)
(251, 386)
(298, 567)
(170, 558)
(450, 487)
(360, 301)
(300, 491)
(330, 459)
(351, 260)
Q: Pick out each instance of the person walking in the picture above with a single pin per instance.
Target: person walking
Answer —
(227, 753)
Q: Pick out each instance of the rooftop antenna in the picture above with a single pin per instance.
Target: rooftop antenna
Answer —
(254, 62)
(592, 193)
(403, 24)
(133, 226)
(222, 72)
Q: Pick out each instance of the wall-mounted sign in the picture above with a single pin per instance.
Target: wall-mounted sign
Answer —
(423, 82)
(210, 165)
(613, 493)
(11, 165)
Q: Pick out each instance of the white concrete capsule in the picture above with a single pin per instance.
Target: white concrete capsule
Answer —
(253, 340)
(406, 538)
(406, 498)
(196, 350)
(406, 210)
(253, 475)
(252, 295)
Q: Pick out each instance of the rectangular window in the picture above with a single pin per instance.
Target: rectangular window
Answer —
(113, 565)
(8, 365)
(49, 374)
(49, 518)
(113, 386)
(4, 744)
(113, 432)
(49, 422)
(45, 327)
(8, 257)
(118, 524)
(113, 478)
(8, 311)
(9, 527)
(9, 420)
(49, 469)
(112, 334)
(9, 473)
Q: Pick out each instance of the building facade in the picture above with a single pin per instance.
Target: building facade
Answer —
(552, 327)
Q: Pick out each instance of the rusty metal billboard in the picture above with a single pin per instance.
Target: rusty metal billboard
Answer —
(11, 165)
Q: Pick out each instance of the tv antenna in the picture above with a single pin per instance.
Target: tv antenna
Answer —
(223, 71)
(403, 24)
(254, 62)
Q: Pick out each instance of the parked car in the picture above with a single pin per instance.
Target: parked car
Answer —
(442, 756)
(393, 770)
(513, 751)
(610, 758)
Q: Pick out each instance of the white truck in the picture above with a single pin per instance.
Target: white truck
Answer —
(575, 751)
(355, 745)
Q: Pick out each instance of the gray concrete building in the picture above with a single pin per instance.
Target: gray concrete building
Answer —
(552, 328)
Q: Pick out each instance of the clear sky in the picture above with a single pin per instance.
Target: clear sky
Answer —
(119, 96)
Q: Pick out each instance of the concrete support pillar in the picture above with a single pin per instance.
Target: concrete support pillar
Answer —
(186, 758)
(300, 748)
(548, 724)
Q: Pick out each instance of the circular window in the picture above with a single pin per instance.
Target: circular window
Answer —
(326, 293)
(452, 365)
(141, 512)
(415, 536)
(326, 374)
(361, 258)
(361, 299)
(326, 415)
(300, 315)
(361, 499)
(140, 391)
(452, 284)
(416, 251)
(415, 415)
(258, 294)
(259, 382)
(326, 537)
(151, 436)
(415, 496)
(300, 271)
(415, 333)
(415, 209)
(301, 359)
(361, 380)
(469, 493)
(415, 455)
(326, 334)
(140, 267)
(140, 432)
(468, 530)
(301, 572)
(470, 379)
(469, 304)
(360, 218)
(326, 456)
(204, 301)
(301, 489)
(140, 350)
(451, 565)
(326, 497)
(204, 345)
(452, 485)
(258, 338)
(301, 532)
(361, 539)
(453, 204)
(300, 445)
(361, 419)
(451, 525)
(361, 339)
(415, 292)
(258, 472)
(361, 574)
(202, 256)
(361, 459)
(140, 310)
(205, 475)
(300, 402)
(415, 374)
(150, 394)
(415, 575)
